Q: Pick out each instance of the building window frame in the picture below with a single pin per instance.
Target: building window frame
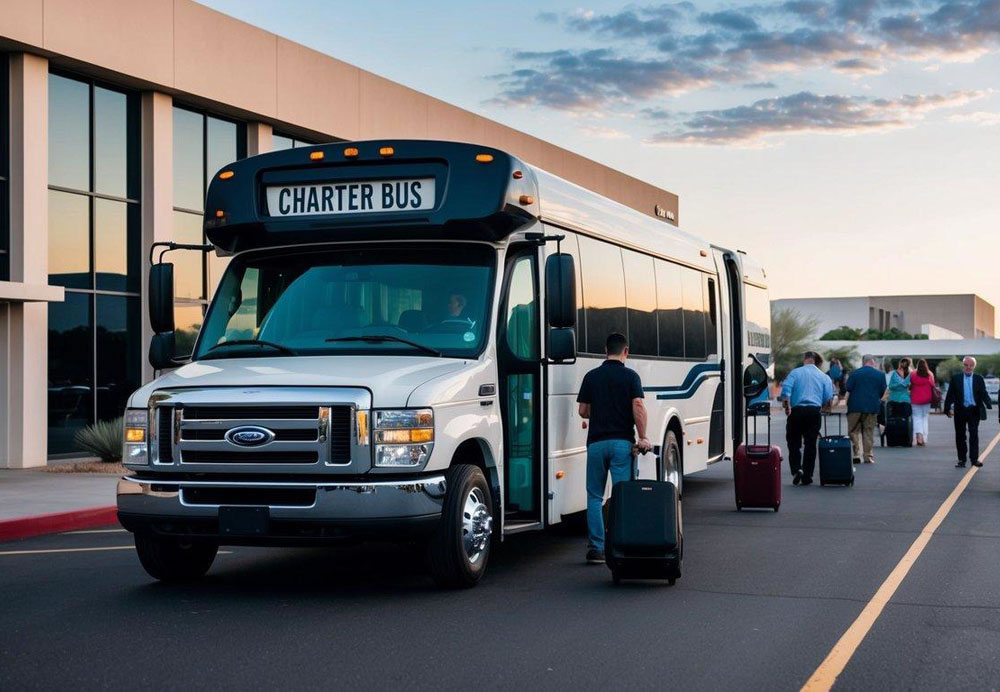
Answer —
(132, 295)
(296, 141)
(241, 153)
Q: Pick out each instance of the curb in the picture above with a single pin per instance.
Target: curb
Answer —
(57, 522)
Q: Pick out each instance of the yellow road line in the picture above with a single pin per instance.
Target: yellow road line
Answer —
(833, 665)
(66, 550)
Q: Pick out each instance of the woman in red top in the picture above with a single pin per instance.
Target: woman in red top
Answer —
(921, 396)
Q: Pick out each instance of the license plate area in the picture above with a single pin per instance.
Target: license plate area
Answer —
(244, 521)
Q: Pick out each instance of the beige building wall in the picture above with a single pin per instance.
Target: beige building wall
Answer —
(208, 59)
(965, 314)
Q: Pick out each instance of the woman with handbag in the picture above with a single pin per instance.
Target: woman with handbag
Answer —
(922, 390)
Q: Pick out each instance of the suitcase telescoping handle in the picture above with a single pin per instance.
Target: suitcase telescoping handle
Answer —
(754, 411)
(840, 422)
(635, 458)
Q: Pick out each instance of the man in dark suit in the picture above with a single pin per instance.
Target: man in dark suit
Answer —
(967, 394)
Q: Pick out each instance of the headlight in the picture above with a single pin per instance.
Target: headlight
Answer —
(136, 449)
(403, 437)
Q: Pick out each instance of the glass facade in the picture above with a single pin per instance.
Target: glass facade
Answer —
(202, 145)
(95, 358)
(4, 172)
(280, 141)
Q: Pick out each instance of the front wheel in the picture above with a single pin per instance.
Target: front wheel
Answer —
(173, 560)
(460, 547)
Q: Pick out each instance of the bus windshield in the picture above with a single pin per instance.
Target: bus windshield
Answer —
(420, 300)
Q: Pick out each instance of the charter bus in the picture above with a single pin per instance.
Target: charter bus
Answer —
(395, 350)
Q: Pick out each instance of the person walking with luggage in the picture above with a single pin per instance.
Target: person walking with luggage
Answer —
(804, 394)
(836, 372)
(865, 388)
(922, 387)
(967, 395)
(611, 399)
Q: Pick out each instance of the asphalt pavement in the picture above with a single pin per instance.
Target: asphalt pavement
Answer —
(763, 598)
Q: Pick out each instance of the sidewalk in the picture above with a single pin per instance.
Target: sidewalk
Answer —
(36, 502)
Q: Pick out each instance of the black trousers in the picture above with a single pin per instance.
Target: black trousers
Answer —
(801, 433)
(967, 418)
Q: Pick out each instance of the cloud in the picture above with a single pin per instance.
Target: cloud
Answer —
(800, 113)
(760, 85)
(661, 50)
(603, 132)
(977, 118)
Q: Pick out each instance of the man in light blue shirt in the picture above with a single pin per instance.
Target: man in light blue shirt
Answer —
(804, 394)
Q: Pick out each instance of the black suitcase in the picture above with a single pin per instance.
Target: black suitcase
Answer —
(836, 463)
(643, 538)
(899, 424)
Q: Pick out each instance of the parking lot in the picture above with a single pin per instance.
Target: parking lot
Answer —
(762, 601)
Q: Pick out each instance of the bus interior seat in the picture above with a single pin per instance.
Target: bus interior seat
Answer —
(412, 320)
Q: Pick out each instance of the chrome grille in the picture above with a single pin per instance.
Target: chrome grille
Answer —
(251, 412)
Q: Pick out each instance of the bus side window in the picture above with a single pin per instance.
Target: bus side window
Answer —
(692, 294)
(604, 290)
(640, 295)
(669, 316)
(712, 325)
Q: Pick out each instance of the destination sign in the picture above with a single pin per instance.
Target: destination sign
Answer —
(350, 197)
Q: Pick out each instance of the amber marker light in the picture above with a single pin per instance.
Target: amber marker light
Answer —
(386, 151)
(526, 200)
(316, 155)
(518, 175)
(350, 152)
(226, 175)
(484, 158)
(135, 435)
(219, 214)
(560, 475)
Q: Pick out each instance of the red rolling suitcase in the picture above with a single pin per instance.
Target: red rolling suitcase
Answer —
(757, 468)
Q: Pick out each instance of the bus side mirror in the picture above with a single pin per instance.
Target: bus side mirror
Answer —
(161, 297)
(560, 291)
(161, 351)
(754, 380)
(562, 345)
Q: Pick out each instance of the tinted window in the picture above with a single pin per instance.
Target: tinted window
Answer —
(694, 314)
(111, 134)
(640, 293)
(71, 368)
(188, 279)
(118, 320)
(189, 160)
(521, 317)
(603, 292)
(69, 133)
(222, 140)
(670, 319)
(712, 319)
(69, 239)
(111, 245)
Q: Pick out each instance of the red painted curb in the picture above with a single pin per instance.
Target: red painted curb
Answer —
(57, 522)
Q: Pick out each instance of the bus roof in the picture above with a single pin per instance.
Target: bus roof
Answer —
(401, 189)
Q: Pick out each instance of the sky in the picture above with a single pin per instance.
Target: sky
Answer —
(852, 147)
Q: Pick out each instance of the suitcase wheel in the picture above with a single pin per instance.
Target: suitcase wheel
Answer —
(851, 483)
(776, 507)
(671, 581)
(739, 507)
(615, 579)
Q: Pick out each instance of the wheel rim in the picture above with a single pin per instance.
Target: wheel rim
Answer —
(672, 464)
(477, 525)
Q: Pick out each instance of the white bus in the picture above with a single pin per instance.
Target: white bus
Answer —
(396, 347)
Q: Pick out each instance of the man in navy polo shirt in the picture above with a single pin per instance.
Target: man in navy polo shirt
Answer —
(611, 398)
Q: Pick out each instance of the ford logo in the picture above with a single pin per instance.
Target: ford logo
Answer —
(249, 436)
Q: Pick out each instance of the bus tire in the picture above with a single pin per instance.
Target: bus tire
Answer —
(174, 560)
(459, 549)
(671, 462)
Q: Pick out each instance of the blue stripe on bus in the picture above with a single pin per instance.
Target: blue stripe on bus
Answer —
(692, 382)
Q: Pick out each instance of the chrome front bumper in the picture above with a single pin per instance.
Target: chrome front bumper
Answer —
(160, 504)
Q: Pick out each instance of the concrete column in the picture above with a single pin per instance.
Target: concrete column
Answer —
(157, 193)
(26, 325)
(259, 138)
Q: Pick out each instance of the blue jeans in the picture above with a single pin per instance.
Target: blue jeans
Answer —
(613, 455)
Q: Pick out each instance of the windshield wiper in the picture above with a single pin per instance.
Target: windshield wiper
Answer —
(381, 338)
(254, 342)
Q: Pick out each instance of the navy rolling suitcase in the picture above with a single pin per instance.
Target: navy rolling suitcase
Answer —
(643, 538)
(899, 424)
(836, 463)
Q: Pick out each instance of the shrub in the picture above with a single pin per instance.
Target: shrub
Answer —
(102, 439)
